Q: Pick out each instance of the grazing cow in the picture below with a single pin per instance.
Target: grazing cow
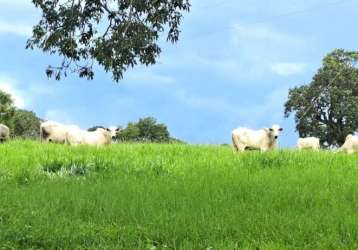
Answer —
(308, 143)
(4, 133)
(263, 139)
(98, 137)
(51, 131)
(350, 146)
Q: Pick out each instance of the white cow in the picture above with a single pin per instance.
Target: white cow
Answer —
(98, 137)
(263, 139)
(52, 131)
(4, 133)
(350, 146)
(308, 143)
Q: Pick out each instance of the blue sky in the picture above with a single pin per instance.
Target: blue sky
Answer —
(232, 67)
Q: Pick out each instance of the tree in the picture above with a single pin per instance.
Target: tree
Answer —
(146, 129)
(25, 124)
(21, 122)
(174, 140)
(115, 34)
(130, 133)
(7, 108)
(94, 128)
(328, 106)
(150, 130)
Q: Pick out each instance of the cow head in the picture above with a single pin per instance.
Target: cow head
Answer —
(114, 132)
(348, 137)
(274, 131)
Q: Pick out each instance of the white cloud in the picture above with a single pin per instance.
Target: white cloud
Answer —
(261, 33)
(19, 29)
(287, 69)
(59, 116)
(17, 17)
(260, 47)
(221, 65)
(251, 52)
(145, 76)
(16, 2)
(24, 96)
(43, 90)
(264, 112)
(9, 86)
(14, 7)
(214, 104)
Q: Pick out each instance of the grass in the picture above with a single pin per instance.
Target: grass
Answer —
(146, 196)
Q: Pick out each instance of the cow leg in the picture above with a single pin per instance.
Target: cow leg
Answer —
(234, 143)
(237, 145)
(238, 148)
(241, 147)
(263, 149)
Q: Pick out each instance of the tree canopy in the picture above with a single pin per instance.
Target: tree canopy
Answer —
(21, 122)
(115, 34)
(94, 128)
(7, 108)
(327, 107)
(146, 129)
(25, 124)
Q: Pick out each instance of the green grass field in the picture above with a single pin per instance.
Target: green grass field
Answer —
(149, 196)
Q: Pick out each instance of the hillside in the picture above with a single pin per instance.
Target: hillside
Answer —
(146, 196)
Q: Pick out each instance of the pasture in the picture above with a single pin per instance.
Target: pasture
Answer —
(147, 196)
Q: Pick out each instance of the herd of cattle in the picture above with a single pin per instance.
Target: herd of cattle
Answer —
(266, 139)
(55, 132)
(242, 138)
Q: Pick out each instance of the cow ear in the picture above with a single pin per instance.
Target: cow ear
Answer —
(280, 129)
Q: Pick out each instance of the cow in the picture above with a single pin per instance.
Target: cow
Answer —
(4, 133)
(51, 131)
(114, 132)
(308, 143)
(350, 145)
(263, 139)
(99, 137)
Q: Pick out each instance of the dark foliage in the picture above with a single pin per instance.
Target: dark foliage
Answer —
(115, 34)
(328, 106)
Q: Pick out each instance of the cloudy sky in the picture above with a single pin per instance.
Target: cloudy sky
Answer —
(233, 66)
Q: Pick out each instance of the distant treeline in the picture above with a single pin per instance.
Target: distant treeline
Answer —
(144, 130)
(26, 124)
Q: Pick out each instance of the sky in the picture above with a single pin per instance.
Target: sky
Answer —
(232, 67)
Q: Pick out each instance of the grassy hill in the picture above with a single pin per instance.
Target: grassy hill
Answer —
(145, 196)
